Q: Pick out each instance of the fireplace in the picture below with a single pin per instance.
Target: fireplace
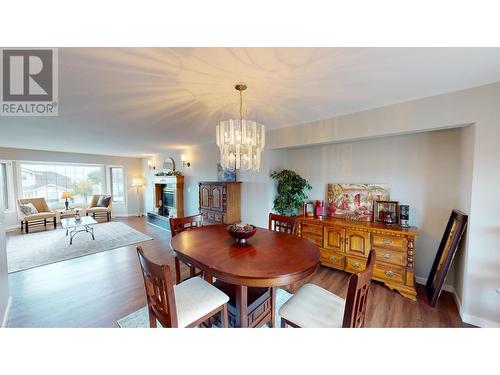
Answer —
(167, 200)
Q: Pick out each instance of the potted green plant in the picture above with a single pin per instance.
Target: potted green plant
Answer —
(290, 188)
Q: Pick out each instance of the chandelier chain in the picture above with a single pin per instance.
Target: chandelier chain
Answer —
(241, 105)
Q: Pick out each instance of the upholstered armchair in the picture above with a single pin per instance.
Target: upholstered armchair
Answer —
(34, 211)
(100, 205)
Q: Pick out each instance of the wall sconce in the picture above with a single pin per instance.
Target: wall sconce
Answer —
(185, 163)
(150, 164)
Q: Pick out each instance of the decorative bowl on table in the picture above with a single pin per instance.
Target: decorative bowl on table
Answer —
(241, 232)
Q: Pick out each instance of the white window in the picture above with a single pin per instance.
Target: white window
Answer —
(49, 181)
(117, 183)
(4, 187)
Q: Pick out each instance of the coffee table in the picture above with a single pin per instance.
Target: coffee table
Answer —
(73, 226)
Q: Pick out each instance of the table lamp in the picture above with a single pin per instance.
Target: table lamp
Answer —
(138, 182)
(66, 195)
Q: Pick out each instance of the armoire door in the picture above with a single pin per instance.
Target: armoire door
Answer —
(217, 194)
(204, 196)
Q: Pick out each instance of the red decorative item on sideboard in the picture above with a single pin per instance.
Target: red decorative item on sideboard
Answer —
(319, 209)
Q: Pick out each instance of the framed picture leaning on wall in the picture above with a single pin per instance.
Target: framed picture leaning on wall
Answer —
(444, 257)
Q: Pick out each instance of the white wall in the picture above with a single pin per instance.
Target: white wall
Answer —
(465, 190)
(132, 168)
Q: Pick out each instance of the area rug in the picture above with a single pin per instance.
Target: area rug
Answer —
(140, 318)
(51, 246)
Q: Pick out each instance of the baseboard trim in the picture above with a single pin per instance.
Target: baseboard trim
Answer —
(459, 304)
(6, 313)
(447, 287)
(479, 322)
(466, 318)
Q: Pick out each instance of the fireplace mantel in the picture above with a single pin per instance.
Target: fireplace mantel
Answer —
(168, 179)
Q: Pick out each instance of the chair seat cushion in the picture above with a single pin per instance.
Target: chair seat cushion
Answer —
(194, 298)
(40, 216)
(97, 209)
(314, 307)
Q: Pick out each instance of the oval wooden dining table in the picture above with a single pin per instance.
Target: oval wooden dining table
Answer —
(268, 259)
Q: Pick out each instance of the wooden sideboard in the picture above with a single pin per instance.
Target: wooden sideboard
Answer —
(345, 245)
(220, 202)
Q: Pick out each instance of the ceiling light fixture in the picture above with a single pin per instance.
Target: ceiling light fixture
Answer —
(240, 141)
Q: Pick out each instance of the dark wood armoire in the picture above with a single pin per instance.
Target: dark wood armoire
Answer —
(220, 202)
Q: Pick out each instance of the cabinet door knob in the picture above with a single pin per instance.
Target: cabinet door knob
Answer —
(389, 273)
(356, 265)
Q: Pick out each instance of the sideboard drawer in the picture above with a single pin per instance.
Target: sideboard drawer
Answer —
(354, 264)
(390, 256)
(316, 239)
(332, 259)
(389, 273)
(312, 229)
(389, 242)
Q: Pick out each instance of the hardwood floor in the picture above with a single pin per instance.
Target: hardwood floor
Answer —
(99, 289)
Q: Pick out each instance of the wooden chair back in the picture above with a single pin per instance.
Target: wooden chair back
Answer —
(281, 223)
(159, 292)
(180, 224)
(357, 294)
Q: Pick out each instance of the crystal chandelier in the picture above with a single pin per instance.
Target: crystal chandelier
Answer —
(240, 141)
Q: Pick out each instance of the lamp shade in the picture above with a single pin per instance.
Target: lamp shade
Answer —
(137, 182)
(66, 195)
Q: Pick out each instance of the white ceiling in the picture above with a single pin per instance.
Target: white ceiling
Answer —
(138, 101)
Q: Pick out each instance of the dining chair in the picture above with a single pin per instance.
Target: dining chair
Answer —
(187, 304)
(284, 224)
(178, 225)
(281, 223)
(315, 307)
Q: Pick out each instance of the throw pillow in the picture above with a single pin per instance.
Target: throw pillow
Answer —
(29, 209)
(104, 201)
